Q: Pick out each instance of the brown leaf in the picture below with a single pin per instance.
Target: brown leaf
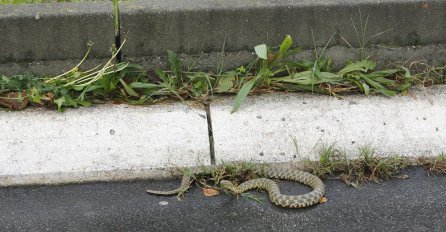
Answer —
(14, 100)
(209, 192)
(50, 95)
(323, 200)
(271, 57)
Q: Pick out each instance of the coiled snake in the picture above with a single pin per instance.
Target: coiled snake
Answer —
(286, 173)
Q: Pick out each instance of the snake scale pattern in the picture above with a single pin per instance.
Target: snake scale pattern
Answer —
(285, 173)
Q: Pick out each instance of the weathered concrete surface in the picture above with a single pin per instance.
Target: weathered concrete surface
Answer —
(49, 67)
(433, 54)
(39, 38)
(193, 26)
(54, 32)
(289, 127)
(116, 142)
(340, 55)
(415, 204)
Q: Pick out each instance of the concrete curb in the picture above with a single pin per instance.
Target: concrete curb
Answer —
(290, 127)
(115, 143)
(100, 143)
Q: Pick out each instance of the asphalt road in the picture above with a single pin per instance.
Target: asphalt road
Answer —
(415, 204)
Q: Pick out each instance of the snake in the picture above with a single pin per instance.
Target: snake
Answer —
(285, 173)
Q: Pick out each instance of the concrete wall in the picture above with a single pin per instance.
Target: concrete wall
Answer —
(37, 37)
(31, 35)
(193, 26)
(55, 31)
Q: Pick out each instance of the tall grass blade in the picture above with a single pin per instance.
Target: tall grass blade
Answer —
(242, 94)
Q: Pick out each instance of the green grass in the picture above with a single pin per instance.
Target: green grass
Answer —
(369, 166)
(210, 177)
(232, 171)
(333, 163)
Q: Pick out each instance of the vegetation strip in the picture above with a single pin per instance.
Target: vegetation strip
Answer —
(272, 70)
(332, 164)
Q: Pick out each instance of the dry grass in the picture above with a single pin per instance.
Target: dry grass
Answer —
(436, 165)
(210, 177)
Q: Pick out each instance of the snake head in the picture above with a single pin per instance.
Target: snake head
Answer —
(226, 184)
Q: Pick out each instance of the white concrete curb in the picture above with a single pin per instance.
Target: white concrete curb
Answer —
(121, 142)
(100, 143)
(288, 127)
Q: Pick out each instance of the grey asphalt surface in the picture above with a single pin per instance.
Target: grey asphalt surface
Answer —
(415, 204)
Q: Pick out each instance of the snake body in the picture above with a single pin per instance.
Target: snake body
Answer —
(286, 173)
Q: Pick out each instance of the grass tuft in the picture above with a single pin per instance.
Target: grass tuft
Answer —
(436, 165)
(369, 166)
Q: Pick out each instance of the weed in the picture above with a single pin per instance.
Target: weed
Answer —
(253, 197)
(270, 71)
(268, 64)
(368, 167)
(317, 76)
(426, 74)
(330, 159)
(362, 37)
(233, 171)
(74, 88)
(436, 165)
(209, 177)
(380, 167)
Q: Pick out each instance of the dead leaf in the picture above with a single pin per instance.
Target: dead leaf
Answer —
(14, 100)
(209, 192)
(271, 57)
(323, 200)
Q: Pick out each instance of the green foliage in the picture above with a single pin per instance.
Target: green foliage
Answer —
(175, 63)
(269, 64)
(242, 94)
(19, 82)
(274, 69)
(231, 171)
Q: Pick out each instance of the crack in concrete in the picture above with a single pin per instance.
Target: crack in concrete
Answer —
(210, 133)
(118, 43)
(117, 25)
